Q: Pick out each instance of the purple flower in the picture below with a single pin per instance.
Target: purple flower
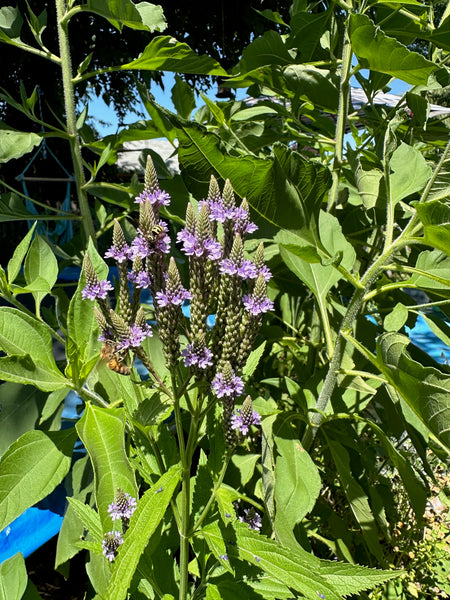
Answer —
(219, 212)
(194, 247)
(201, 357)
(139, 247)
(227, 386)
(241, 421)
(120, 254)
(140, 279)
(243, 224)
(111, 541)
(135, 338)
(145, 245)
(252, 518)
(97, 289)
(256, 306)
(246, 269)
(123, 506)
(175, 297)
(156, 198)
(264, 271)
(223, 556)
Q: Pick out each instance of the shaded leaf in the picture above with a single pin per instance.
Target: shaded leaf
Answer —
(14, 144)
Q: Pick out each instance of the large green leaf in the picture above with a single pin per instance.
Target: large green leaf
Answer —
(102, 431)
(297, 480)
(307, 30)
(269, 49)
(320, 86)
(31, 468)
(165, 53)
(378, 52)
(410, 174)
(434, 276)
(183, 97)
(425, 389)
(150, 510)
(14, 144)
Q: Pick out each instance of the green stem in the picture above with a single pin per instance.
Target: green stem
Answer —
(217, 485)
(344, 94)
(69, 103)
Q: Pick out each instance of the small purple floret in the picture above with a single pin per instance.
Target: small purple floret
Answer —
(256, 306)
(201, 358)
(94, 291)
(242, 423)
(232, 388)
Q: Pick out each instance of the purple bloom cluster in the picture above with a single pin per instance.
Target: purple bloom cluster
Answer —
(192, 246)
(120, 254)
(224, 386)
(156, 198)
(96, 290)
(123, 506)
(111, 541)
(221, 213)
(200, 357)
(135, 338)
(240, 421)
(140, 279)
(244, 269)
(176, 297)
(143, 246)
(256, 306)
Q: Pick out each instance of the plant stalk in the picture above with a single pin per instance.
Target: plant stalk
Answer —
(71, 121)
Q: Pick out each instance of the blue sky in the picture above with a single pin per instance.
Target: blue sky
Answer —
(99, 110)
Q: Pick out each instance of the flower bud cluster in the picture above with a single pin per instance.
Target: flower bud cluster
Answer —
(222, 282)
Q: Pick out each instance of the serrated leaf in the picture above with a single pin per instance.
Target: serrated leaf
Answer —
(89, 518)
(253, 360)
(351, 579)
(19, 254)
(31, 468)
(13, 578)
(149, 512)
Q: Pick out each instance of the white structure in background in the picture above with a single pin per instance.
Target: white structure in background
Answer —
(128, 160)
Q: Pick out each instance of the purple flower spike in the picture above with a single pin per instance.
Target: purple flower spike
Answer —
(232, 386)
(111, 541)
(210, 248)
(135, 338)
(123, 506)
(243, 224)
(95, 290)
(156, 198)
(241, 421)
(140, 279)
(200, 357)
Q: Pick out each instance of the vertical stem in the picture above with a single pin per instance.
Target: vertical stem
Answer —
(344, 93)
(71, 120)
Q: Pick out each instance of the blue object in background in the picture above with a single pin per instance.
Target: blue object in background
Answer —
(422, 337)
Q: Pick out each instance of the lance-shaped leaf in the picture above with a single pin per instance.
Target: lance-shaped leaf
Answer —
(102, 431)
(31, 468)
(19, 254)
(40, 264)
(13, 578)
(150, 511)
(378, 52)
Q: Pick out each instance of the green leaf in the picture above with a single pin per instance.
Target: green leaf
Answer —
(268, 49)
(149, 512)
(320, 86)
(432, 264)
(357, 498)
(20, 410)
(297, 480)
(351, 579)
(24, 369)
(370, 183)
(440, 190)
(213, 535)
(425, 389)
(14, 144)
(253, 360)
(102, 431)
(12, 209)
(183, 97)
(378, 52)
(11, 22)
(245, 463)
(319, 278)
(40, 263)
(395, 320)
(31, 468)
(411, 172)
(124, 13)
(435, 216)
(307, 30)
(165, 53)
(89, 518)
(19, 254)
(13, 578)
